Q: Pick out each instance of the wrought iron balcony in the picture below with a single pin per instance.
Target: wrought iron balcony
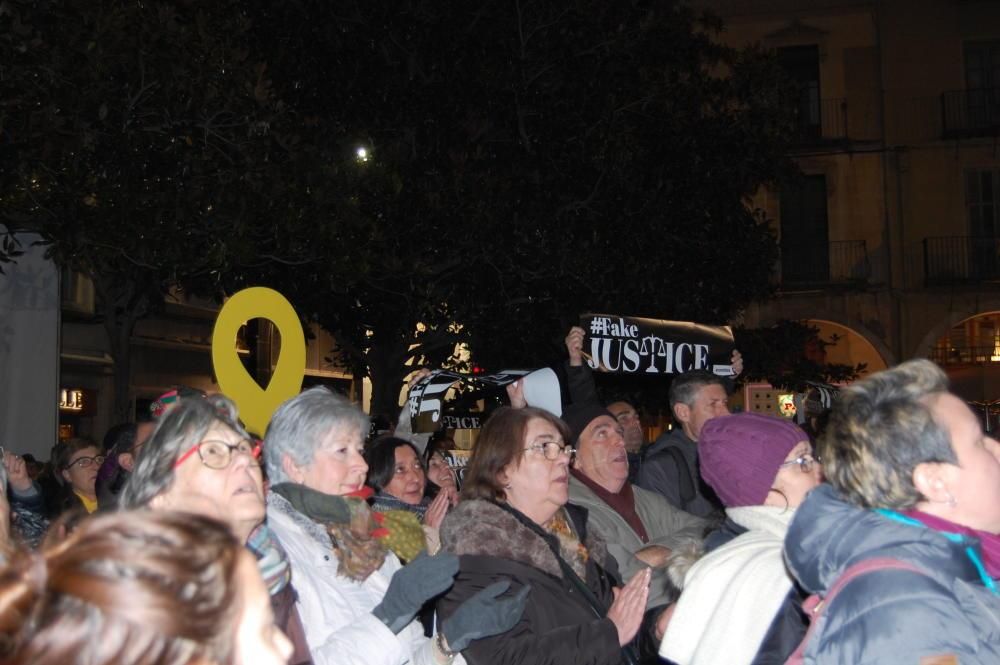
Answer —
(961, 259)
(820, 120)
(974, 112)
(818, 264)
(966, 355)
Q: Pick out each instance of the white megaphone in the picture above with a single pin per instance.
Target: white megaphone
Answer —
(541, 389)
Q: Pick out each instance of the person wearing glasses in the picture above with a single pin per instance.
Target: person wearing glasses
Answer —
(739, 604)
(912, 478)
(201, 460)
(77, 461)
(513, 526)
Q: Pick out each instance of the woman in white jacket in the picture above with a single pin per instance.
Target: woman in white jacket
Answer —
(738, 605)
(356, 602)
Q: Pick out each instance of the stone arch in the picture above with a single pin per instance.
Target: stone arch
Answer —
(855, 328)
(953, 318)
(860, 344)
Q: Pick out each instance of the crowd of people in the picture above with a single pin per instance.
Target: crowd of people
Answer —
(734, 539)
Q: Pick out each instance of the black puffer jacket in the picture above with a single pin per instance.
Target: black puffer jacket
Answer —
(560, 624)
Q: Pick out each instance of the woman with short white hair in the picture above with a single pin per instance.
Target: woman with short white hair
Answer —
(356, 601)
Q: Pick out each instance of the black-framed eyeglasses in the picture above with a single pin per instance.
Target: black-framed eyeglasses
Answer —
(552, 450)
(805, 462)
(216, 454)
(86, 462)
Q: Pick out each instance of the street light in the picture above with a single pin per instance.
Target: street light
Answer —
(362, 154)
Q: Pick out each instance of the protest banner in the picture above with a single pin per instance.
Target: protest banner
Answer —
(632, 345)
(426, 398)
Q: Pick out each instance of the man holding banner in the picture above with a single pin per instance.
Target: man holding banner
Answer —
(701, 359)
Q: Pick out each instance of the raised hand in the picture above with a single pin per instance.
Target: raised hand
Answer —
(630, 603)
(574, 346)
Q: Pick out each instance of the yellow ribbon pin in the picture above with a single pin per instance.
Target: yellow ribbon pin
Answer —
(256, 404)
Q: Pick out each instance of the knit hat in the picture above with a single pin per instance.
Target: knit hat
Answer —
(741, 454)
(578, 416)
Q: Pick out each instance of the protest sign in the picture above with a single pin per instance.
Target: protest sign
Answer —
(632, 345)
(426, 398)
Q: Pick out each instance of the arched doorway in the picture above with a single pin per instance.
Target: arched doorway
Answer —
(851, 348)
(969, 351)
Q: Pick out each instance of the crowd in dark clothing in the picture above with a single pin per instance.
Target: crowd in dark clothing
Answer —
(569, 539)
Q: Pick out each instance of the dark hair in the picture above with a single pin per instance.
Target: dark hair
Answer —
(684, 387)
(437, 446)
(500, 444)
(381, 458)
(63, 452)
(119, 438)
(141, 588)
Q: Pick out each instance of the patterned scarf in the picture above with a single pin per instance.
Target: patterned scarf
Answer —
(354, 530)
(384, 502)
(571, 549)
(271, 559)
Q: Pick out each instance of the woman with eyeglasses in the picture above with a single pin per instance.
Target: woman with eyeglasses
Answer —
(201, 460)
(77, 461)
(514, 526)
(739, 604)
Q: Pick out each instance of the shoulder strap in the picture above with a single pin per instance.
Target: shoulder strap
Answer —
(815, 605)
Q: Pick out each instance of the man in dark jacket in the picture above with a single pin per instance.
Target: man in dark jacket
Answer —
(670, 466)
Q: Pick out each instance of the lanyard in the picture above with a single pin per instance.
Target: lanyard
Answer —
(957, 538)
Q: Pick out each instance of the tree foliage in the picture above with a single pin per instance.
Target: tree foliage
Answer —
(526, 162)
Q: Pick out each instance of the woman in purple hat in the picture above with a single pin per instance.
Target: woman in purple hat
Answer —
(739, 604)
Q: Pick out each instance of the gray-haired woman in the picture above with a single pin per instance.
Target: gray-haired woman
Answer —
(913, 481)
(200, 459)
(356, 602)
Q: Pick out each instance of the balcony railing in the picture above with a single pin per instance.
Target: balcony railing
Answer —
(819, 120)
(824, 263)
(965, 355)
(961, 259)
(824, 121)
(974, 112)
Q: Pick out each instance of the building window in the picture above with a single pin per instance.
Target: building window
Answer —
(982, 190)
(805, 256)
(802, 65)
(982, 83)
(981, 194)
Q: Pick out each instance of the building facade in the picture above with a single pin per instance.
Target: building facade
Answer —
(892, 237)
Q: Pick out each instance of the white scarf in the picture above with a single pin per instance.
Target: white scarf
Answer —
(732, 594)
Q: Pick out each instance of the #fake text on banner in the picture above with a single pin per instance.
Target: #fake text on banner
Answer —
(632, 345)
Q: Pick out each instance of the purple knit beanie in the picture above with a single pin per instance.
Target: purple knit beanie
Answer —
(741, 454)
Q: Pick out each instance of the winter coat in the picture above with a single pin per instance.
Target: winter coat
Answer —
(890, 616)
(661, 473)
(336, 611)
(732, 596)
(665, 525)
(559, 626)
(27, 514)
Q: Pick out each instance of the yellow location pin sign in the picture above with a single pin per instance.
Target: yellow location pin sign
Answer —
(255, 403)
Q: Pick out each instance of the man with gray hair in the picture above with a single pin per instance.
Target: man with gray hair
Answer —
(670, 467)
